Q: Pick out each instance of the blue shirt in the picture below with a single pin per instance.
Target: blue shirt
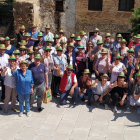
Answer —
(38, 72)
(76, 46)
(136, 50)
(115, 47)
(34, 35)
(9, 52)
(24, 82)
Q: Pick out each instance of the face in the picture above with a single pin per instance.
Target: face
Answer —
(69, 71)
(137, 40)
(12, 62)
(17, 56)
(70, 48)
(61, 34)
(31, 55)
(85, 75)
(103, 55)
(22, 30)
(7, 42)
(26, 38)
(117, 60)
(122, 44)
(49, 44)
(23, 67)
(95, 33)
(56, 40)
(119, 39)
(89, 47)
(33, 29)
(37, 61)
(62, 45)
(104, 79)
(40, 37)
(130, 54)
(108, 38)
(59, 53)
(47, 30)
(138, 78)
(48, 52)
(99, 46)
(120, 79)
(78, 42)
(22, 52)
(2, 51)
(80, 50)
(72, 39)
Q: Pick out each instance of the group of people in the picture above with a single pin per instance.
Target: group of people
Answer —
(42, 61)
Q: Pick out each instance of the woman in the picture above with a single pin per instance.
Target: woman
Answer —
(56, 41)
(16, 54)
(71, 56)
(89, 57)
(24, 87)
(10, 85)
(80, 61)
(9, 48)
(102, 90)
(119, 92)
(95, 37)
(72, 39)
(102, 64)
(129, 62)
(59, 63)
(29, 43)
(63, 45)
(84, 84)
(62, 37)
(23, 55)
(116, 67)
(48, 61)
(31, 57)
(135, 94)
(123, 49)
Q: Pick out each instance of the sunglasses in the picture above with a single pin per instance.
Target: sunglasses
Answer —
(121, 77)
(130, 52)
(60, 51)
(89, 46)
(69, 70)
(22, 50)
(16, 54)
(48, 51)
(118, 59)
(95, 32)
(31, 54)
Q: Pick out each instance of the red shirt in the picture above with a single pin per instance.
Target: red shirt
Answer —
(133, 43)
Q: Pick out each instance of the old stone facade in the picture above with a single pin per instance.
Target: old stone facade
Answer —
(74, 18)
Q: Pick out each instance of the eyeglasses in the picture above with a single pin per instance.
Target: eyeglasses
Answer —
(60, 51)
(48, 51)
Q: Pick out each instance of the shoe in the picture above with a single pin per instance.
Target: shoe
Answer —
(28, 114)
(15, 110)
(40, 109)
(74, 104)
(20, 114)
(106, 106)
(88, 103)
(138, 111)
(83, 99)
(5, 110)
(128, 109)
(115, 109)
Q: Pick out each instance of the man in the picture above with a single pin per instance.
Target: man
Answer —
(40, 77)
(47, 35)
(3, 63)
(68, 86)
(108, 41)
(78, 42)
(135, 42)
(56, 41)
(29, 43)
(84, 39)
(34, 32)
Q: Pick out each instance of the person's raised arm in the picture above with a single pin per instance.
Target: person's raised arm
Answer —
(131, 76)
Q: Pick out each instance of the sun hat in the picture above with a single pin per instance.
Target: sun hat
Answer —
(72, 36)
(97, 30)
(108, 34)
(70, 67)
(86, 71)
(47, 26)
(16, 52)
(71, 45)
(59, 48)
(121, 74)
(56, 36)
(61, 31)
(30, 51)
(22, 27)
(7, 38)
(47, 48)
(99, 42)
(40, 34)
(82, 33)
(27, 34)
(80, 47)
(119, 35)
(23, 62)
(78, 38)
(138, 73)
(117, 56)
(22, 47)
(34, 25)
(2, 46)
(103, 51)
(131, 50)
(89, 43)
(105, 75)
(49, 40)
(62, 41)
(138, 36)
(23, 42)
(12, 57)
(123, 41)
(38, 56)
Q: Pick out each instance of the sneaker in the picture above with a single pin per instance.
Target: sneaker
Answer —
(28, 114)
(15, 110)
(39, 109)
(138, 111)
(115, 109)
(20, 114)
(74, 104)
(5, 110)
(106, 106)
(88, 103)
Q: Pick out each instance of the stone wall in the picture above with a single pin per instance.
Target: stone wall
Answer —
(108, 20)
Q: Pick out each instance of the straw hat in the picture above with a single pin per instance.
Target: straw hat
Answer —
(40, 34)
(12, 57)
(22, 27)
(27, 34)
(38, 56)
(23, 62)
(56, 36)
(16, 52)
(72, 36)
(105, 75)
(48, 26)
(99, 42)
(117, 56)
(59, 48)
(104, 51)
(80, 47)
(121, 74)
(82, 33)
(47, 48)
(7, 38)
(70, 67)
(2, 46)
(123, 41)
(119, 35)
(78, 38)
(71, 45)
(86, 71)
(23, 42)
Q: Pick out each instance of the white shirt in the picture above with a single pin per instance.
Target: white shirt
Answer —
(69, 82)
(9, 80)
(53, 51)
(84, 41)
(100, 90)
(115, 72)
(4, 60)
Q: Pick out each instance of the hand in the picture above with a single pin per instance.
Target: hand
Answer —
(40, 46)
(107, 60)
(112, 39)
(97, 73)
(115, 84)
(113, 64)
(46, 86)
(88, 82)
(96, 81)
(125, 85)
(4, 69)
(91, 57)
(101, 98)
(71, 91)
(136, 97)
(44, 56)
(122, 57)
(80, 93)
(32, 91)
(133, 71)
(121, 102)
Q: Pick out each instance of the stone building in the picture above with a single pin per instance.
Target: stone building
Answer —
(75, 15)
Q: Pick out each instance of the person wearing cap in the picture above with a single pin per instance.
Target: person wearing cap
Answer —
(135, 94)
(115, 46)
(95, 37)
(56, 41)
(119, 92)
(102, 90)
(62, 37)
(40, 43)
(9, 48)
(84, 84)
(96, 52)
(134, 43)
(89, 57)
(10, 84)
(80, 61)
(3, 63)
(16, 54)
(31, 57)
(84, 39)
(23, 55)
(20, 33)
(59, 63)
(48, 62)
(102, 65)
(63, 44)
(34, 32)
(68, 86)
(47, 34)
(40, 77)
(72, 39)
(71, 56)
(24, 86)
(29, 43)
(78, 42)
(117, 67)
(129, 61)
(123, 49)
(108, 41)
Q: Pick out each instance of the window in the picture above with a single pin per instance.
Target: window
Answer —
(59, 6)
(126, 5)
(95, 5)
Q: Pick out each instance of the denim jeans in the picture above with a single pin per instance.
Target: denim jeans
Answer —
(22, 98)
(89, 94)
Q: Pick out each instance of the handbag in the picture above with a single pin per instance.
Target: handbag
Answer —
(47, 96)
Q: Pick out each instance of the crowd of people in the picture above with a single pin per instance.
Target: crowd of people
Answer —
(42, 61)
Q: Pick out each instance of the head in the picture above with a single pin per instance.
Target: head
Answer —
(130, 54)
(62, 45)
(104, 55)
(96, 33)
(72, 39)
(49, 43)
(100, 46)
(137, 40)
(31, 55)
(119, 39)
(47, 30)
(89, 48)
(40, 38)
(34, 29)
(107, 38)
(2, 51)
(138, 78)
(23, 67)
(104, 79)
(78, 42)
(47, 52)
(117, 60)
(86, 75)
(37, 61)
(56, 40)
(12, 62)
(70, 48)
(22, 30)
(26, 38)
(61, 34)
(7, 42)
(22, 52)
(69, 71)
(121, 79)
(17, 55)
(59, 52)
(80, 50)
(123, 44)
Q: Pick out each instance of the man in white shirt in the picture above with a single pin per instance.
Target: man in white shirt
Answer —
(47, 35)
(68, 86)
(3, 63)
